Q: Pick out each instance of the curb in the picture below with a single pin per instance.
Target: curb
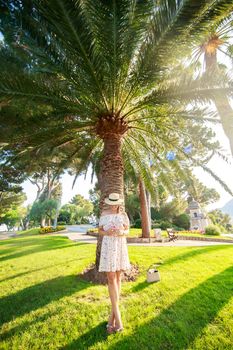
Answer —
(205, 239)
(53, 233)
(163, 240)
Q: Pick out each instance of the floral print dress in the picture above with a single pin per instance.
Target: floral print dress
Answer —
(114, 252)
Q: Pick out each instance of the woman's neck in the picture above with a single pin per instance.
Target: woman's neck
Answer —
(111, 212)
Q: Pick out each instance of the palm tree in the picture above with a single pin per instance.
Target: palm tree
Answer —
(219, 41)
(96, 76)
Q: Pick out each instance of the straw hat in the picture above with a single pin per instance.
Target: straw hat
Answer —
(113, 199)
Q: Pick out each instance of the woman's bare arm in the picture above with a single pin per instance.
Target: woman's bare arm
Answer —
(109, 232)
(126, 226)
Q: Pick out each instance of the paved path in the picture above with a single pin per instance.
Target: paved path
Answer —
(77, 233)
(6, 235)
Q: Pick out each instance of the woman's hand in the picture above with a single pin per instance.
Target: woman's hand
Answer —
(112, 232)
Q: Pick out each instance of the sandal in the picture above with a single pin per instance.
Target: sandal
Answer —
(110, 328)
(119, 329)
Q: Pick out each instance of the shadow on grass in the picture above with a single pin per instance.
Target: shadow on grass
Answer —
(39, 295)
(44, 244)
(177, 326)
(20, 274)
(94, 335)
(181, 258)
(20, 329)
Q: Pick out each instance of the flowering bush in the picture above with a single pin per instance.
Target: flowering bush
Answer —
(95, 230)
(49, 229)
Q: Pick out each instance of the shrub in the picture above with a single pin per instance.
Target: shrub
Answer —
(212, 230)
(49, 229)
(155, 225)
(61, 223)
(95, 230)
(164, 225)
(179, 229)
(137, 223)
(182, 220)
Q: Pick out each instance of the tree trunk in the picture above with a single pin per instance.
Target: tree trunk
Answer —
(144, 210)
(148, 196)
(56, 215)
(110, 177)
(221, 101)
(42, 222)
(226, 114)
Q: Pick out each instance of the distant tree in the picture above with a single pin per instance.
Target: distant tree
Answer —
(25, 220)
(51, 195)
(10, 190)
(9, 199)
(132, 206)
(84, 208)
(77, 210)
(65, 214)
(13, 217)
(199, 192)
(182, 220)
(94, 195)
(221, 219)
(173, 208)
(43, 209)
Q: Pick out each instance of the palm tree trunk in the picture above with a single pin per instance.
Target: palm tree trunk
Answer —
(221, 101)
(110, 177)
(144, 210)
(148, 196)
(226, 114)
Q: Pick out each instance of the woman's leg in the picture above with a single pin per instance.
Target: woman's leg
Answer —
(111, 319)
(118, 277)
(113, 293)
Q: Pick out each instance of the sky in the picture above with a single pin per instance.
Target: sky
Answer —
(82, 186)
(223, 169)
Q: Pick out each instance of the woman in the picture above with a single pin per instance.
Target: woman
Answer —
(114, 226)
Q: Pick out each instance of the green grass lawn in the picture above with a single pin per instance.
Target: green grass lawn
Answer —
(44, 305)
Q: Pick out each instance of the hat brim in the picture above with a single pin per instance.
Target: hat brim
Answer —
(118, 202)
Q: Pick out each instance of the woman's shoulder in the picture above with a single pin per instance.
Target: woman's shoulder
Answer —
(105, 216)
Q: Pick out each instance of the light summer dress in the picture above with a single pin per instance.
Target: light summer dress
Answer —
(114, 252)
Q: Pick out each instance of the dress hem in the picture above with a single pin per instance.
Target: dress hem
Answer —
(126, 269)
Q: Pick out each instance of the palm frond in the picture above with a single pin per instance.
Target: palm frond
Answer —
(141, 168)
(172, 27)
(87, 159)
